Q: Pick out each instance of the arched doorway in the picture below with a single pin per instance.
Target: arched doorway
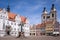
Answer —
(8, 30)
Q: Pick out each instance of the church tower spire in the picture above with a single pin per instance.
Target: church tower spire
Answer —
(44, 15)
(8, 7)
(53, 7)
(44, 10)
(53, 14)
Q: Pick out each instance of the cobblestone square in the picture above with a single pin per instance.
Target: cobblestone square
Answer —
(31, 38)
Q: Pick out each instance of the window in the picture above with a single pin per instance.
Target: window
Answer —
(3, 26)
(30, 33)
(12, 33)
(15, 32)
(56, 30)
(48, 17)
(1, 15)
(15, 23)
(18, 29)
(33, 33)
(7, 22)
(52, 15)
(4, 12)
(43, 17)
(11, 23)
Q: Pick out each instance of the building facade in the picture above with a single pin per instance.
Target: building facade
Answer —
(33, 30)
(40, 29)
(11, 24)
(50, 20)
(49, 24)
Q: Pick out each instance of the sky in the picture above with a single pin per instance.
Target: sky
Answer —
(32, 9)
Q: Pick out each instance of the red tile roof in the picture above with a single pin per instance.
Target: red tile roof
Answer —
(23, 19)
(11, 16)
(44, 24)
(40, 25)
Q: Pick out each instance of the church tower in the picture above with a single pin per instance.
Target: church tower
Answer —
(8, 7)
(44, 15)
(53, 14)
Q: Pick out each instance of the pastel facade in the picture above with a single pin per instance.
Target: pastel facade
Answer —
(33, 30)
(40, 29)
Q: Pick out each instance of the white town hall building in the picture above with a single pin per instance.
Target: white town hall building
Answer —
(12, 24)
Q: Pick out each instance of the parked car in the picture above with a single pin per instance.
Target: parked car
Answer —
(56, 33)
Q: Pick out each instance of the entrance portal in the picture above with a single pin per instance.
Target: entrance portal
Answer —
(8, 29)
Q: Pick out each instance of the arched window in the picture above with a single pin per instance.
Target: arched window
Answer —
(43, 17)
(52, 15)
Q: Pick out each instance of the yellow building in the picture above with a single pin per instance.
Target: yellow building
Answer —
(49, 27)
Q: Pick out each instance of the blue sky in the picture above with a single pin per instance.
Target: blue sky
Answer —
(32, 9)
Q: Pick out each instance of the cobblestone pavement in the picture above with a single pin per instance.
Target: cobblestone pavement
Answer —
(31, 38)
